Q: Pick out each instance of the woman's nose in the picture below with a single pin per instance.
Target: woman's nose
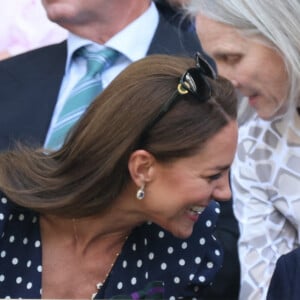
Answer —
(227, 72)
(223, 191)
(234, 82)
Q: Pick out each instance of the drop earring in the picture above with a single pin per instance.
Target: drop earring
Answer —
(140, 194)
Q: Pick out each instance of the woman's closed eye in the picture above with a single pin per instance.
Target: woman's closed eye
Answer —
(228, 59)
(215, 176)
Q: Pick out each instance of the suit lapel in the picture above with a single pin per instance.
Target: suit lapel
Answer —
(28, 112)
(170, 38)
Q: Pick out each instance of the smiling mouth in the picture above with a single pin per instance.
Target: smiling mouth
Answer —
(198, 210)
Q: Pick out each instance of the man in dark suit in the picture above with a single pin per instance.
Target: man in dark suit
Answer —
(33, 84)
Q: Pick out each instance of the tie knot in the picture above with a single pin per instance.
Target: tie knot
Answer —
(98, 61)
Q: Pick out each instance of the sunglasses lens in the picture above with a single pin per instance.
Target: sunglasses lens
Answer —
(205, 67)
(196, 83)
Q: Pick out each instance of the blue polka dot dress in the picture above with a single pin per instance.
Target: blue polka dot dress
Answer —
(183, 268)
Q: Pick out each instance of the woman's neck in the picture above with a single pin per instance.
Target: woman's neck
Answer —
(84, 233)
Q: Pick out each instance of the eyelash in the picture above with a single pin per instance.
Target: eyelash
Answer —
(230, 59)
(215, 176)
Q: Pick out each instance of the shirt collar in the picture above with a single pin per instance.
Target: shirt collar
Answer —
(131, 41)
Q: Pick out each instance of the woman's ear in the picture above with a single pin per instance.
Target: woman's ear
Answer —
(140, 166)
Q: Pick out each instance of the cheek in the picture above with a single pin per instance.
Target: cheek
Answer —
(280, 87)
(273, 76)
(274, 87)
(197, 193)
(246, 75)
(172, 197)
(223, 69)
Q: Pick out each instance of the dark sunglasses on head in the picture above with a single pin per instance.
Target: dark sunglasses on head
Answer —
(192, 81)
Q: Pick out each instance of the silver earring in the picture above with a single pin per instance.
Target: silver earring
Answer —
(140, 194)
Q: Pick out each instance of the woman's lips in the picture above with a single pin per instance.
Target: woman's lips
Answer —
(194, 212)
(253, 100)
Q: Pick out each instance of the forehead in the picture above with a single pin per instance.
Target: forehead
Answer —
(219, 37)
(216, 153)
(223, 142)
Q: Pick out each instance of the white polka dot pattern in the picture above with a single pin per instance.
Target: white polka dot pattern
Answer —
(20, 256)
(184, 267)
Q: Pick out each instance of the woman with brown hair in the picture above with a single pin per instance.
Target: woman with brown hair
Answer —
(125, 204)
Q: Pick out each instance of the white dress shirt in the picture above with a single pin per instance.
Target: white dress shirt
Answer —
(132, 42)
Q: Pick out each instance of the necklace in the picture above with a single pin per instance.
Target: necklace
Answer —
(100, 284)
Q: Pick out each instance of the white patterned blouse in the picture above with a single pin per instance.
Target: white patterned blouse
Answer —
(266, 196)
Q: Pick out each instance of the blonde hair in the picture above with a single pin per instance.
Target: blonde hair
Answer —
(275, 21)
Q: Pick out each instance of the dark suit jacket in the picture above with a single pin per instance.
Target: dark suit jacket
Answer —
(30, 82)
(285, 283)
(29, 87)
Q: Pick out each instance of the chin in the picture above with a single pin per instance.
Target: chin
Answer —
(269, 116)
(265, 117)
(182, 233)
(270, 113)
(60, 12)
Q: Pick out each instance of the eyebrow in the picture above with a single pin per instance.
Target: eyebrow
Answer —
(222, 168)
(225, 52)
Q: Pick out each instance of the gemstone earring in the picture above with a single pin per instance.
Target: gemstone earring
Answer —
(140, 194)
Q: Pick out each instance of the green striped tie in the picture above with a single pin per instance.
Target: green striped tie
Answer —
(84, 92)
